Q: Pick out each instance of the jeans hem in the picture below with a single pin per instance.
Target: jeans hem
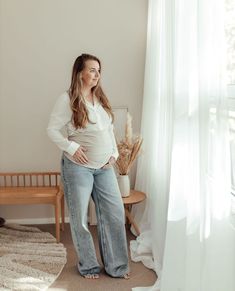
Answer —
(92, 271)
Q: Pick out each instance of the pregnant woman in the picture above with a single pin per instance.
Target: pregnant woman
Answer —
(89, 152)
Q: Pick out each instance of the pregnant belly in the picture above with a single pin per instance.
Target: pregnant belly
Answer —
(100, 155)
(98, 145)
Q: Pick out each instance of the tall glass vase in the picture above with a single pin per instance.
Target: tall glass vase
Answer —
(124, 185)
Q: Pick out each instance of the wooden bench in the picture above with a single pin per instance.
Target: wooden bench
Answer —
(34, 188)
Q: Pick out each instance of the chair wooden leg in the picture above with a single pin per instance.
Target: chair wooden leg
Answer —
(57, 218)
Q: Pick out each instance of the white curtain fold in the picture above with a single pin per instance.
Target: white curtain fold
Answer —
(153, 170)
(186, 236)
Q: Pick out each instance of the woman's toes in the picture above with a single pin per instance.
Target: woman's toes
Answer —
(91, 276)
(126, 276)
(96, 276)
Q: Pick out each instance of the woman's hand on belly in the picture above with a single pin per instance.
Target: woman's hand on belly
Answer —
(110, 163)
(80, 155)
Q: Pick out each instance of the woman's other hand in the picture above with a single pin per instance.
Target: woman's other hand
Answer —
(80, 155)
(111, 162)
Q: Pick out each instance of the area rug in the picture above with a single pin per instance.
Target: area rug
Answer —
(29, 258)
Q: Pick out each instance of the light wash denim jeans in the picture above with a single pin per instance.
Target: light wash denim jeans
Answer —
(80, 183)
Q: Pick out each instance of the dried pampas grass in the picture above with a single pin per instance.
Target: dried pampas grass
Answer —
(128, 149)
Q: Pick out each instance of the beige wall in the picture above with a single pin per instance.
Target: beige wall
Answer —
(39, 41)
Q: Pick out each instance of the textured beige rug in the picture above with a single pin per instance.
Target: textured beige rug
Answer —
(29, 258)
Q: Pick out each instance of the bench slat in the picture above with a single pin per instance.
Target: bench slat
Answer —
(34, 188)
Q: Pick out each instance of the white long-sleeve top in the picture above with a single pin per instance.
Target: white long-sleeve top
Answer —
(98, 137)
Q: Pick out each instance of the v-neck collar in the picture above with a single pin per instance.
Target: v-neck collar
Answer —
(90, 105)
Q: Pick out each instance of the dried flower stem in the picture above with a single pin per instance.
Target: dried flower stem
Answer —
(128, 130)
(128, 149)
(135, 151)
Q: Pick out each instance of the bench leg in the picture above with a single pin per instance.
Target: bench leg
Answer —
(57, 218)
(62, 212)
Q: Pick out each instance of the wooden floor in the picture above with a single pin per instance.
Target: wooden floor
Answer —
(70, 279)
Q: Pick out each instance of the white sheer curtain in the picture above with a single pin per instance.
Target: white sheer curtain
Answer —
(186, 235)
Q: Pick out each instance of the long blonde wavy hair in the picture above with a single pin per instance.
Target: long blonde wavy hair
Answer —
(80, 116)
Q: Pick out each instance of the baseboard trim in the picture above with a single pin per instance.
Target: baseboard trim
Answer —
(49, 220)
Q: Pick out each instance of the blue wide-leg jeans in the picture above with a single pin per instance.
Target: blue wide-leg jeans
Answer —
(80, 183)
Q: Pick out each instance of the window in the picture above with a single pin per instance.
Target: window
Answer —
(230, 38)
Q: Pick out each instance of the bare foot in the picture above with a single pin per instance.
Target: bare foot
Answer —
(126, 276)
(91, 276)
